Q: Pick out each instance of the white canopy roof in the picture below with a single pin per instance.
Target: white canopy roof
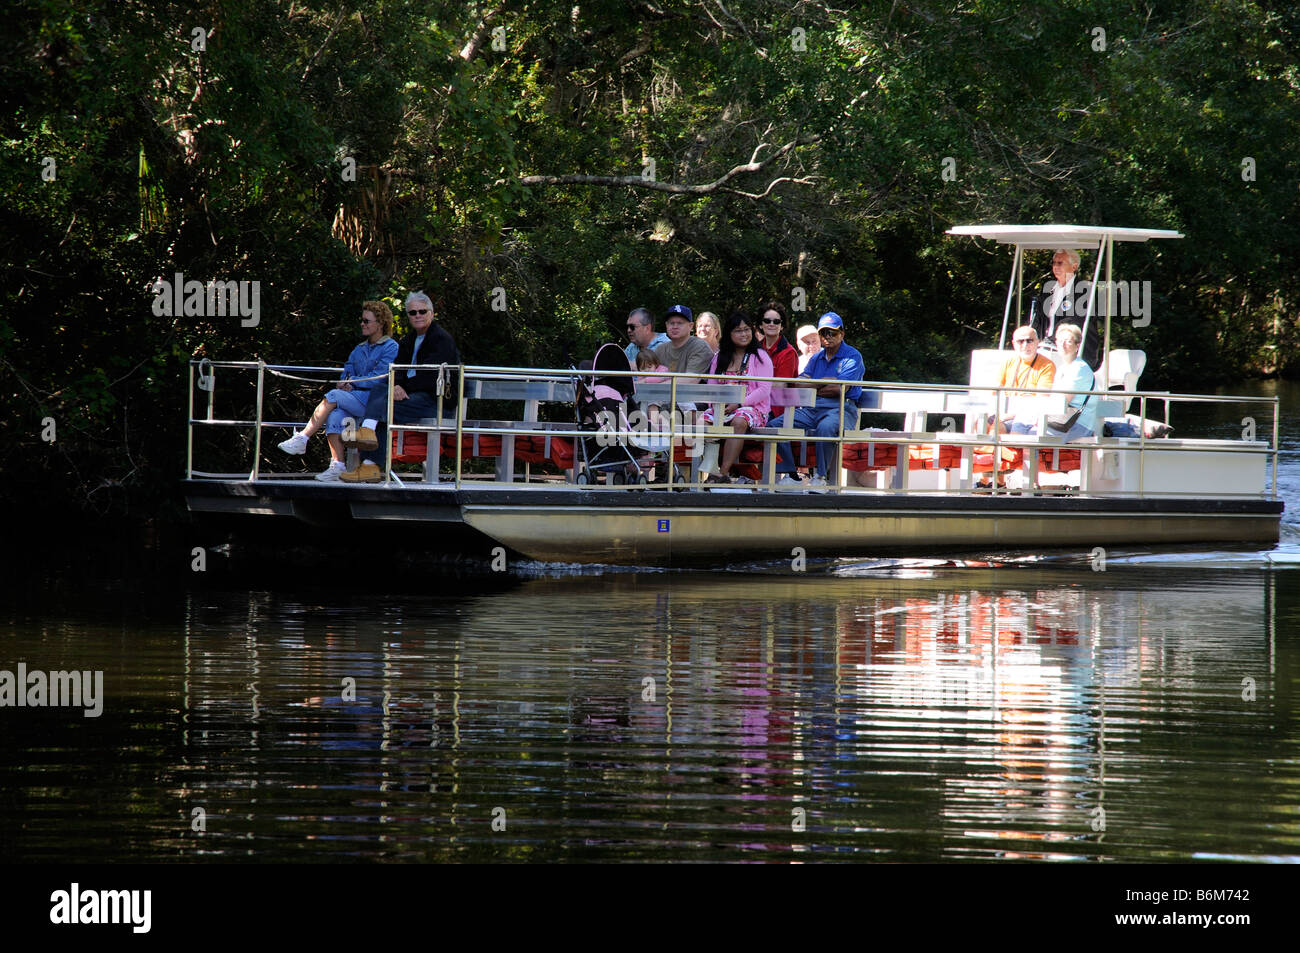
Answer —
(1061, 236)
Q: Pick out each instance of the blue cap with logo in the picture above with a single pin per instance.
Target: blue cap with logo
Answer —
(681, 309)
(830, 320)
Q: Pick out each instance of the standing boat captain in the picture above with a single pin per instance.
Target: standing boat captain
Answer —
(1061, 300)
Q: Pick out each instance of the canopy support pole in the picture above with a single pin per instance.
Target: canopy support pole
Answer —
(1013, 290)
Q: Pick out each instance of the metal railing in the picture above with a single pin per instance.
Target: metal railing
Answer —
(978, 404)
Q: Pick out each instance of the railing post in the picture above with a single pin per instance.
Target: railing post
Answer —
(1142, 446)
(997, 443)
(672, 428)
(388, 430)
(189, 430)
(257, 429)
(212, 388)
(460, 421)
(1275, 446)
(839, 442)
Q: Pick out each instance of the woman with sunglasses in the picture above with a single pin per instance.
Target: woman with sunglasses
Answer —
(785, 363)
(365, 366)
(740, 355)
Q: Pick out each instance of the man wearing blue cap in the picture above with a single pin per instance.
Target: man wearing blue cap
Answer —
(836, 361)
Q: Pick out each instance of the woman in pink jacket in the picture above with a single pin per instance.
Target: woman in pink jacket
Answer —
(740, 354)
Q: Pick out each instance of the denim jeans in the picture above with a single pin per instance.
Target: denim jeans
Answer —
(820, 422)
(348, 403)
(416, 406)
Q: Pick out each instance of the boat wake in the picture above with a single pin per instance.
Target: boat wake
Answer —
(1286, 555)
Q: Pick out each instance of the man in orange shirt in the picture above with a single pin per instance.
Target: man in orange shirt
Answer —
(1027, 369)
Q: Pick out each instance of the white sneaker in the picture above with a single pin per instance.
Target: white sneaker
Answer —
(295, 444)
(817, 480)
(788, 480)
(332, 473)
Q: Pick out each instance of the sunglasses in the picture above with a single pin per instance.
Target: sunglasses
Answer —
(775, 321)
(829, 332)
(1025, 340)
(414, 311)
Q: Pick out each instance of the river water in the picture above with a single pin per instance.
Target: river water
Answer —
(1008, 706)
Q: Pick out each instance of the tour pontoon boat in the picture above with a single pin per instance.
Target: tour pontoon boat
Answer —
(511, 483)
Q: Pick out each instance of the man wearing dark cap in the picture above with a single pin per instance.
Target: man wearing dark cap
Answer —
(683, 353)
(836, 361)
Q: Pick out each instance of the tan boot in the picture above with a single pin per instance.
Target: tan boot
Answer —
(366, 473)
(367, 439)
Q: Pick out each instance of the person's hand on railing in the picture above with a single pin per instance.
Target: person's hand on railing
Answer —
(399, 392)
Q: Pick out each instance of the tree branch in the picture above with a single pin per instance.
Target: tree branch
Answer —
(338, 22)
(717, 185)
(470, 49)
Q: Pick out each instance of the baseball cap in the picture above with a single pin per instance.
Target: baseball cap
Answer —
(830, 320)
(681, 309)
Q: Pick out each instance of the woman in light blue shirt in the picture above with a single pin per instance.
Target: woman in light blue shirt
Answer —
(1074, 375)
(365, 367)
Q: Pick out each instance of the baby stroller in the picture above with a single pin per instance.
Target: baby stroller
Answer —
(601, 407)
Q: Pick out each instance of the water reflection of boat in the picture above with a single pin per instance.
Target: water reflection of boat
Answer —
(908, 490)
(970, 713)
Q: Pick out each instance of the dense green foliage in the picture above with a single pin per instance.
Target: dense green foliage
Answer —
(232, 162)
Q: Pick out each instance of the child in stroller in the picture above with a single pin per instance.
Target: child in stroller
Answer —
(601, 407)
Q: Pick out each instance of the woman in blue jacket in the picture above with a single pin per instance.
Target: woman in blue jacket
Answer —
(369, 359)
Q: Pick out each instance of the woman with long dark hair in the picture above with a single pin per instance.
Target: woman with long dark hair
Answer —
(740, 354)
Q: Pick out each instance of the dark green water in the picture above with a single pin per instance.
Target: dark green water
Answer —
(1018, 707)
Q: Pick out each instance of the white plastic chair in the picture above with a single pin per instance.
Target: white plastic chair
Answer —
(1124, 367)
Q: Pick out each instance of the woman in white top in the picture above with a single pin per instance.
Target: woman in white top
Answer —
(808, 343)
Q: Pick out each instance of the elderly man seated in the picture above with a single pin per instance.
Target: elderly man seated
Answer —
(641, 333)
(1027, 369)
(836, 361)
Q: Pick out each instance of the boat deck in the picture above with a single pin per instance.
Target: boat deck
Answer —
(1136, 491)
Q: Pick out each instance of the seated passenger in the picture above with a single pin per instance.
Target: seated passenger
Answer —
(1027, 369)
(683, 353)
(740, 354)
(369, 359)
(641, 332)
(806, 340)
(646, 361)
(835, 361)
(1073, 375)
(707, 327)
(415, 391)
(785, 363)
